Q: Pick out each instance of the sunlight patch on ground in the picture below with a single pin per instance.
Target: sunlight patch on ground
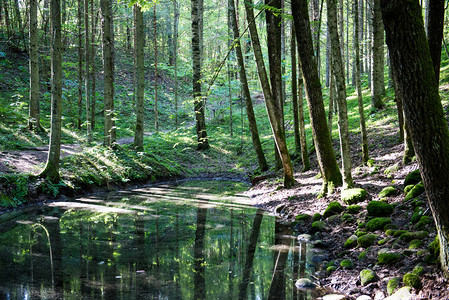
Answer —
(90, 207)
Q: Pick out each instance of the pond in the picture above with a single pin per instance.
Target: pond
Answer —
(189, 240)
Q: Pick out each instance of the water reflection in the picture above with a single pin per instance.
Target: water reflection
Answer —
(153, 243)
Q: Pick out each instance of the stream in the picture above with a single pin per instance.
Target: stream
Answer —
(185, 240)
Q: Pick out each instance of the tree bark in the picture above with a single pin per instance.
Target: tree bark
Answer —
(302, 125)
(140, 76)
(34, 111)
(412, 64)
(325, 153)
(92, 56)
(199, 103)
(434, 29)
(339, 73)
(108, 61)
(88, 73)
(263, 166)
(175, 55)
(156, 109)
(295, 92)
(378, 60)
(272, 106)
(51, 170)
(80, 63)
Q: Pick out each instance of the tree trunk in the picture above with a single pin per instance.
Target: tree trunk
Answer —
(108, 61)
(325, 153)
(339, 73)
(92, 56)
(434, 29)
(302, 125)
(272, 106)
(51, 170)
(330, 114)
(34, 111)
(140, 76)
(230, 44)
(377, 69)
(245, 91)
(203, 142)
(295, 91)
(80, 63)
(413, 68)
(175, 55)
(156, 109)
(88, 73)
(358, 84)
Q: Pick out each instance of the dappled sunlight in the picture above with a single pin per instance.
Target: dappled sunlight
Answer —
(90, 207)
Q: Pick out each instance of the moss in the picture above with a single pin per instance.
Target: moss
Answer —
(391, 169)
(302, 217)
(318, 226)
(316, 217)
(414, 244)
(393, 284)
(362, 255)
(417, 213)
(412, 178)
(354, 209)
(412, 280)
(417, 202)
(434, 249)
(388, 191)
(423, 222)
(377, 223)
(333, 208)
(408, 188)
(352, 196)
(346, 217)
(359, 232)
(415, 192)
(360, 224)
(379, 209)
(390, 226)
(366, 240)
(347, 264)
(398, 233)
(367, 276)
(419, 269)
(390, 232)
(370, 163)
(415, 235)
(351, 242)
(383, 241)
(388, 258)
(331, 269)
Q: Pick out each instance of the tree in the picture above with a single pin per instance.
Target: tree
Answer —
(434, 29)
(377, 69)
(51, 170)
(108, 65)
(273, 109)
(34, 122)
(80, 62)
(175, 55)
(358, 84)
(88, 73)
(199, 103)
(339, 74)
(294, 88)
(140, 75)
(325, 153)
(412, 64)
(156, 121)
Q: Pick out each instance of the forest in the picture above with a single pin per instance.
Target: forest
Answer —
(136, 126)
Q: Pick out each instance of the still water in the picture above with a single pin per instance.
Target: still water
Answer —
(190, 240)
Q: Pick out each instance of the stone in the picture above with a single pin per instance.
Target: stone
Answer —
(414, 235)
(347, 264)
(362, 255)
(388, 191)
(333, 297)
(385, 258)
(414, 244)
(346, 217)
(305, 284)
(412, 280)
(351, 242)
(408, 188)
(392, 285)
(353, 196)
(367, 276)
(413, 177)
(303, 217)
(414, 192)
(333, 208)
(377, 223)
(353, 209)
(366, 240)
(304, 237)
(379, 209)
(402, 294)
(318, 226)
(391, 169)
(423, 222)
(316, 217)
(364, 297)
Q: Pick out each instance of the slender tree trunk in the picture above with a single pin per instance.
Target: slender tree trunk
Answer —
(140, 76)
(358, 84)
(273, 110)
(51, 170)
(413, 68)
(34, 111)
(330, 115)
(108, 61)
(377, 69)
(156, 109)
(339, 73)
(326, 156)
(7, 20)
(199, 103)
(295, 91)
(92, 56)
(80, 63)
(175, 55)
(230, 9)
(434, 29)
(88, 73)
(302, 125)
(263, 166)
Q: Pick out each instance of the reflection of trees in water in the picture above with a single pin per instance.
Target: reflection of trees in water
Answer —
(198, 255)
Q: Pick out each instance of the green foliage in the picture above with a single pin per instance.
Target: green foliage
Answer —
(367, 276)
(377, 223)
(414, 244)
(367, 240)
(415, 192)
(412, 280)
(13, 189)
(413, 177)
(393, 284)
(333, 208)
(379, 209)
(352, 196)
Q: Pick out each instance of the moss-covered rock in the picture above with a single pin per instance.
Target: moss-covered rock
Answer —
(367, 276)
(303, 217)
(434, 251)
(408, 188)
(383, 241)
(318, 226)
(333, 208)
(366, 240)
(346, 217)
(388, 191)
(412, 280)
(316, 217)
(391, 169)
(377, 223)
(419, 269)
(331, 269)
(398, 233)
(417, 213)
(351, 242)
(390, 226)
(360, 232)
(423, 222)
(414, 192)
(414, 235)
(352, 196)
(393, 284)
(413, 177)
(384, 258)
(347, 264)
(379, 209)
(353, 209)
(362, 255)
(414, 244)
